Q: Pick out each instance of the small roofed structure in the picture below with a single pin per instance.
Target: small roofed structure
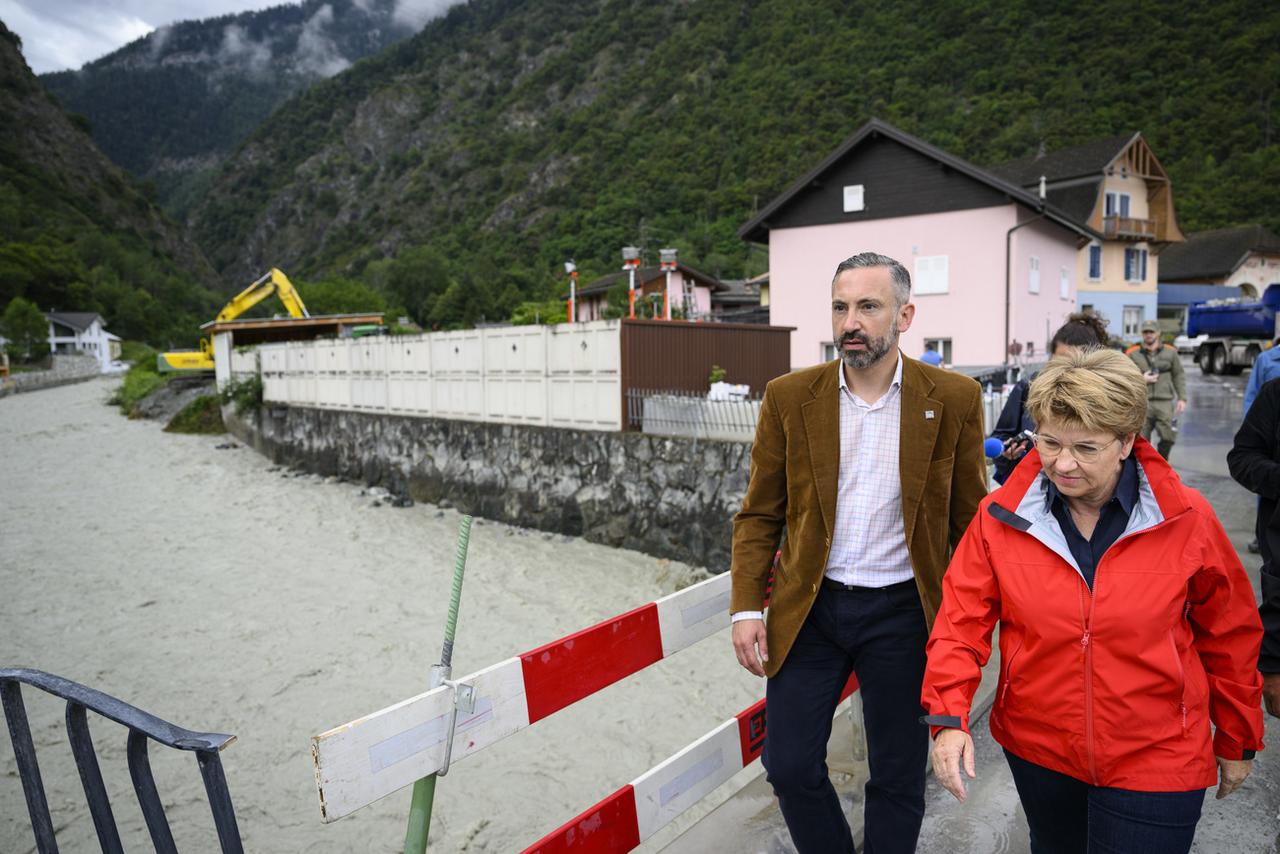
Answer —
(269, 330)
(247, 331)
(1246, 257)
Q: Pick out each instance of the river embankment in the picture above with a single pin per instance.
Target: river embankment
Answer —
(196, 579)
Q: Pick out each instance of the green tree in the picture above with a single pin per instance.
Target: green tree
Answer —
(26, 329)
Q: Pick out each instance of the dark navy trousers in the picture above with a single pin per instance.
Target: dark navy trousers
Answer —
(1069, 816)
(879, 634)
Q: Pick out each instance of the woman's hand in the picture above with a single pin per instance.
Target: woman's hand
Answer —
(952, 749)
(1231, 774)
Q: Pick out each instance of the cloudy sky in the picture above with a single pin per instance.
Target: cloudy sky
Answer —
(58, 34)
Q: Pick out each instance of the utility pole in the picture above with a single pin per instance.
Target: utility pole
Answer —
(630, 263)
(669, 266)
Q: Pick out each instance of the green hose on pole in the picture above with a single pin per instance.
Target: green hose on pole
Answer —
(424, 790)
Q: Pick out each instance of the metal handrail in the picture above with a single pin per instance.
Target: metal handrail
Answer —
(142, 727)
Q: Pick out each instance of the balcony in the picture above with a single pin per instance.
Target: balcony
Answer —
(1128, 228)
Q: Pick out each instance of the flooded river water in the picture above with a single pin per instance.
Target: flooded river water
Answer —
(223, 594)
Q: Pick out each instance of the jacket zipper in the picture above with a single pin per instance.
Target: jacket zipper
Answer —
(1182, 682)
(1086, 645)
(1008, 672)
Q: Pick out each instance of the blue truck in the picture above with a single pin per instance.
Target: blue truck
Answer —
(1237, 330)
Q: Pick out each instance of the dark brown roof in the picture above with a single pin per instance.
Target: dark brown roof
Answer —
(1214, 254)
(1078, 161)
(644, 275)
(77, 320)
(757, 227)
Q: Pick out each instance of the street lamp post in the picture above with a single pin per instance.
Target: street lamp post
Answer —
(669, 267)
(630, 263)
(572, 270)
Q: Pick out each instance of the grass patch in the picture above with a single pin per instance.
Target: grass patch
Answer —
(141, 380)
(202, 415)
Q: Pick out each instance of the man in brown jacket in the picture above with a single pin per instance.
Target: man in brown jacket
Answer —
(873, 464)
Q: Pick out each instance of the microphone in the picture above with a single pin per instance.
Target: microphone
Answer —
(993, 447)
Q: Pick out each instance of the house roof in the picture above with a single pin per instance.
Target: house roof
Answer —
(77, 320)
(1078, 161)
(644, 275)
(757, 227)
(738, 292)
(1215, 254)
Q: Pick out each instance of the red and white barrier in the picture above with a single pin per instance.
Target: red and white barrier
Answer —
(371, 757)
(650, 802)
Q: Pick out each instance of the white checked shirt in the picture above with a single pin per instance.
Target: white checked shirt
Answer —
(869, 544)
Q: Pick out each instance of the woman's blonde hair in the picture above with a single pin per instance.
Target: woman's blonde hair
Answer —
(1100, 390)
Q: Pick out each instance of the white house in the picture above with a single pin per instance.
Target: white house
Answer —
(82, 332)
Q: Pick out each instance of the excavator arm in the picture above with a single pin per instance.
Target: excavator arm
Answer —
(273, 282)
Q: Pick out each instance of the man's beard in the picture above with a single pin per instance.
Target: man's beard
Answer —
(876, 348)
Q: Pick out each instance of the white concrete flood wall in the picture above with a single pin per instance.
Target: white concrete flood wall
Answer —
(567, 375)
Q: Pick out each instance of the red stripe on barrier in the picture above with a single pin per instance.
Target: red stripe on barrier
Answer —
(564, 671)
(751, 731)
(607, 827)
(751, 724)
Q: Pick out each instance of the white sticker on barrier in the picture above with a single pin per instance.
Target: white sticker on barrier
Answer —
(687, 616)
(669, 789)
(371, 757)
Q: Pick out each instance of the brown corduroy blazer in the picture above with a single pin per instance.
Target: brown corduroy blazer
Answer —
(795, 471)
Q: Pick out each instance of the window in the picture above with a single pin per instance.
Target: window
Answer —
(1132, 320)
(1116, 204)
(1033, 279)
(930, 274)
(1135, 265)
(1095, 262)
(1064, 283)
(828, 351)
(942, 346)
(853, 198)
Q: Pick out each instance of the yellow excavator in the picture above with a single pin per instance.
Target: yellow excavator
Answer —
(274, 282)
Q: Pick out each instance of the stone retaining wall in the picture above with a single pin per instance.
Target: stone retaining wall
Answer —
(66, 369)
(670, 497)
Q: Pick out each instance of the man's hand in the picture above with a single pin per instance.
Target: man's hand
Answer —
(1180, 407)
(952, 749)
(750, 645)
(1151, 377)
(1271, 693)
(1231, 773)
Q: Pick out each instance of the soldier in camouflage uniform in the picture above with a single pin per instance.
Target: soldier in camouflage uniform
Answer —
(1166, 386)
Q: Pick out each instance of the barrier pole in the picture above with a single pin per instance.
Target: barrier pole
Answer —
(424, 790)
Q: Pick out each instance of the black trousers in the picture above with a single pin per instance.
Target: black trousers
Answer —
(879, 634)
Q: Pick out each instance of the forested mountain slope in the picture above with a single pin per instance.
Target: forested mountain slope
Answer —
(170, 106)
(76, 234)
(510, 135)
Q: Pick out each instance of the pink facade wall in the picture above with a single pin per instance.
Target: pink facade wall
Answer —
(970, 313)
(1035, 317)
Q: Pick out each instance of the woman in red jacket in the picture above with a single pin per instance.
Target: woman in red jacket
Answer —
(1127, 627)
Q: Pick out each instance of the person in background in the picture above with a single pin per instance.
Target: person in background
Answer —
(931, 356)
(1254, 461)
(873, 464)
(1128, 629)
(1082, 331)
(1161, 368)
(1266, 367)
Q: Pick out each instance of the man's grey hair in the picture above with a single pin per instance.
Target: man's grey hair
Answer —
(897, 272)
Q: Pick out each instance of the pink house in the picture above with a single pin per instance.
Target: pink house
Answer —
(689, 296)
(993, 266)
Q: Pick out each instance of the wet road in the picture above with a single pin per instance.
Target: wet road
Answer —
(991, 821)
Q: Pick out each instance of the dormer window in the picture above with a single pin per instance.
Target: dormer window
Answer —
(1116, 204)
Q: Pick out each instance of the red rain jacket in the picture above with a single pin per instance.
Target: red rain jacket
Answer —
(1116, 687)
